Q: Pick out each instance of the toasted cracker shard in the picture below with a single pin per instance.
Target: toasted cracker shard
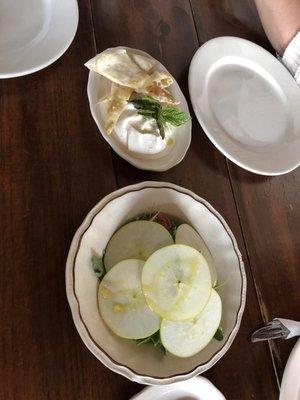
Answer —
(116, 65)
(119, 95)
(129, 72)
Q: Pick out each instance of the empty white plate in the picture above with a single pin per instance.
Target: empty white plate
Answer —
(290, 385)
(194, 389)
(248, 105)
(34, 34)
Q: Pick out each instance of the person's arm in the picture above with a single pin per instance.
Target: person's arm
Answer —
(281, 21)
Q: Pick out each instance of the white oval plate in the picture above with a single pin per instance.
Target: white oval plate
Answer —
(172, 155)
(198, 388)
(248, 105)
(145, 364)
(34, 34)
(290, 385)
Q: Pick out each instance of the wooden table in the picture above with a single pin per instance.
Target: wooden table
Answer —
(55, 166)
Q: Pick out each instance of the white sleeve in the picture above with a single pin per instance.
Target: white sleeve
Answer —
(291, 57)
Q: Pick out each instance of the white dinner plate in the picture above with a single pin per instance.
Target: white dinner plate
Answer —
(248, 105)
(194, 389)
(34, 34)
(290, 385)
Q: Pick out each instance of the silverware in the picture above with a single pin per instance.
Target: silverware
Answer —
(278, 328)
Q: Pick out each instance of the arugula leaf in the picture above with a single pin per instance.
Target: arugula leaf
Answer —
(219, 335)
(174, 116)
(146, 216)
(153, 340)
(98, 266)
(173, 230)
(218, 285)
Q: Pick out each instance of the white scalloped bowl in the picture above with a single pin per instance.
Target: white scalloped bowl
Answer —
(145, 364)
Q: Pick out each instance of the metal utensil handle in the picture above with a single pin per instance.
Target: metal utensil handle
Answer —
(292, 326)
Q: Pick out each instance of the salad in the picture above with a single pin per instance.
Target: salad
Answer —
(158, 285)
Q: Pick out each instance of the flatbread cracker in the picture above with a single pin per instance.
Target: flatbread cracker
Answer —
(116, 65)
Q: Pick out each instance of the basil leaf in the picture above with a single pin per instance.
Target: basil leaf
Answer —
(145, 102)
(147, 113)
(174, 116)
(151, 108)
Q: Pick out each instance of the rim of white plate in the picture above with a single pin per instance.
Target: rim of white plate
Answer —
(62, 49)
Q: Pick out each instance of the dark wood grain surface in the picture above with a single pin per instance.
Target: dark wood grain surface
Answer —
(54, 167)
(268, 207)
